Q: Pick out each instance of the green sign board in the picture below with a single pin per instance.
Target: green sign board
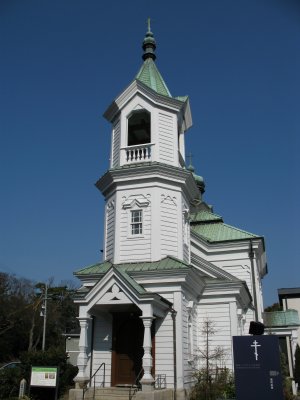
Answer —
(44, 376)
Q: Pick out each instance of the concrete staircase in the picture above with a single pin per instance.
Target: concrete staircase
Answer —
(111, 393)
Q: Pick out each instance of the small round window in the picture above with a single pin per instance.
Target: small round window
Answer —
(139, 129)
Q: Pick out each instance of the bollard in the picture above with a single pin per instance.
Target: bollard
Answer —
(22, 388)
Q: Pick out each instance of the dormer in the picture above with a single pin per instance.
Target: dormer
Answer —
(148, 123)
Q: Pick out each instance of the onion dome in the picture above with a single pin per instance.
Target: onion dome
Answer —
(149, 44)
(148, 73)
(198, 179)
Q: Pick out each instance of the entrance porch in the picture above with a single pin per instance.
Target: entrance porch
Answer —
(118, 330)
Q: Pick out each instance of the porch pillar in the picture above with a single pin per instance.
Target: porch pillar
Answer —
(147, 381)
(81, 378)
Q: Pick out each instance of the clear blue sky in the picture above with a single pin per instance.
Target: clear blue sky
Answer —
(64, 61)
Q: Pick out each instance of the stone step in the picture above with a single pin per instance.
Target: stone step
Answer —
(111, 393)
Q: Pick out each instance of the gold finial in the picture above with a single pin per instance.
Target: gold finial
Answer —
(149, 26)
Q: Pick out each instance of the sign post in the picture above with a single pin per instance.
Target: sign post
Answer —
(257, 368)
(46, 377)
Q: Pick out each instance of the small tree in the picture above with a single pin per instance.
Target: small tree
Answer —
(213, 379)
(297, 365)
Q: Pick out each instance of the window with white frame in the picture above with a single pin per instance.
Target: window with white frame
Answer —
(136, 222)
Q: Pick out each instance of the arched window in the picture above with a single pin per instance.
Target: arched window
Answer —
(139, 128)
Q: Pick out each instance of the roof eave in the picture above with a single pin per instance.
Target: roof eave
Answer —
(137, 86)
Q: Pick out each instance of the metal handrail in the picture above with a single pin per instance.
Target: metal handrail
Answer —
(160, 381)
(94, 377)
(136, 385)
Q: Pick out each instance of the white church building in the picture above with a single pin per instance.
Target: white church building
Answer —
(170, 263)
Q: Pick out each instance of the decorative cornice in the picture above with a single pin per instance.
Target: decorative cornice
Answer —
(148, 171)
(237, 289)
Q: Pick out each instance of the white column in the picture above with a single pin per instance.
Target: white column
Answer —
(147, 381)
(82, 359)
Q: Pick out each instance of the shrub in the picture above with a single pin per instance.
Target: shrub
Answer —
(10, 382)
(219, 384)
(54, 357)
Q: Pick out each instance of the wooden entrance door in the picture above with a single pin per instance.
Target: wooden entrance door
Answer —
(128, 335)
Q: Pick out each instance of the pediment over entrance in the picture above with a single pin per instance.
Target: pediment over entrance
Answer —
(116, 287)
(111, 289)
(114, 295)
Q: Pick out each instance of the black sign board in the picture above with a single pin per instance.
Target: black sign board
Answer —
(257, 368)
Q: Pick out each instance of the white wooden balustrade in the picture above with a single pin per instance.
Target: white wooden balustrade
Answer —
(138, 153)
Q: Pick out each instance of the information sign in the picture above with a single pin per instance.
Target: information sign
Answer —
(257, 367)
(43, 376)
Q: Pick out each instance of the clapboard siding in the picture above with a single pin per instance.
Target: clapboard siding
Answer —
(110, 230)
(102, 346)
(164, 358)
(241, 272)
(169, 227)
(187, 372)
(219, 314)
(186, 253)
(116, 145)
(166, 138)
(137, 248)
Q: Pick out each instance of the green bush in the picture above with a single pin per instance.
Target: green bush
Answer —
(10, 382)
(217, 385)
(55, 357)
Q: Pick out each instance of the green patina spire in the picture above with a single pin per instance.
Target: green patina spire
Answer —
(149, 44)
(199, 179)
(190, 167)
(149, 74)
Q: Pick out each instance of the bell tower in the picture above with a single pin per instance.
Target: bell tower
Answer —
(147, 189)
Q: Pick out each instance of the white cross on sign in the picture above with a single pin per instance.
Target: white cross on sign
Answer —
(255, 345)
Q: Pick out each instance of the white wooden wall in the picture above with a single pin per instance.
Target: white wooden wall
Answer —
(116, 145)
(187, 366)
(134, 248)
(109, 230)
(185, 232)
(241, 269)
(102, 345)
(167, 129)
(169, 226)
(219, 313)
(164, 358)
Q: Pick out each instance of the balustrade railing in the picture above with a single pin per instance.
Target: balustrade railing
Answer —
(138, 153)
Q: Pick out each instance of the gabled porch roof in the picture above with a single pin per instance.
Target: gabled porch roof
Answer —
(167, 263)
(115, 287)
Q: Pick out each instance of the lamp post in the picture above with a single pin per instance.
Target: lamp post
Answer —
(44, 314)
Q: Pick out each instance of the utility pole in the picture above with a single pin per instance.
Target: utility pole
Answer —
(45, 316)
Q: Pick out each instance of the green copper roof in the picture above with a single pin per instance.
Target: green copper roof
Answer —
(205, 216)
(182, 98)
(167, 263)
(219, 232)
(211, 227)
(132, 282)
(150, 76)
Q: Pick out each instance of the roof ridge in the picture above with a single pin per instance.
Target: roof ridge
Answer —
(240, 230)
(164, 263)
(93, 266)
